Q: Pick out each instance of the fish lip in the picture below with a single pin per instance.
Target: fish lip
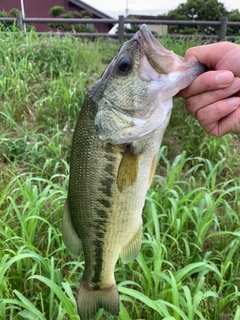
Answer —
(148, 41)
(162, 61)
(162, 66)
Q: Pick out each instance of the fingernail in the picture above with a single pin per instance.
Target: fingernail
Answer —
(235, 86)
(224, 77)
(234, 102)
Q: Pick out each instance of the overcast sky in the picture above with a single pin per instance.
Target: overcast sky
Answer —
(148, 7)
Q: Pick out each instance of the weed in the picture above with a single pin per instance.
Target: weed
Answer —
(188, 267)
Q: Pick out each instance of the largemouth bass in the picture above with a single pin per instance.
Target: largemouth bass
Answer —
(114, 152)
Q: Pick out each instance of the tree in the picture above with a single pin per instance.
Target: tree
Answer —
(234, 15)
(198, 10)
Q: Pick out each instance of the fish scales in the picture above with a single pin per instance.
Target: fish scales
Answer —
(99, 162)
(114, 151)
(101, 202)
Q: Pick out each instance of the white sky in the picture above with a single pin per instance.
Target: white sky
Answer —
(148, 7)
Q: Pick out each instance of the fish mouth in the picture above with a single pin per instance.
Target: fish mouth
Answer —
(163, 61)
(160, 59)
(161, 74)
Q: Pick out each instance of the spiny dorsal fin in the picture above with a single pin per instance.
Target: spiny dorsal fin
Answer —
(132, 249)
(128, 170)
(70, 237)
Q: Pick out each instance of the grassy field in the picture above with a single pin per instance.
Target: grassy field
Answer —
(189, 266)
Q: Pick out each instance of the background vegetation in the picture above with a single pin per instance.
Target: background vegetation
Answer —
(193, 10)
(198, 10)
(59, 12)
(56, 12)
(203, 10)
(188, 267)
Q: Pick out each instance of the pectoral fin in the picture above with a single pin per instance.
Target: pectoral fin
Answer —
(70, 237)
(152, 169)
(128, 170)
(132, 249)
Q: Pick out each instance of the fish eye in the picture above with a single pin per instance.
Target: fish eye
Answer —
(124, 64)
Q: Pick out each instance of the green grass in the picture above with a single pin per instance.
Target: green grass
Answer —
(188, 267)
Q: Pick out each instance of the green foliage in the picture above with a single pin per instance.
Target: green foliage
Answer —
(56, 11)
(133, 29)
(77, 14)
(71, 27)
(198, 10)
(67, 15)
(5, 25)
(13, 12)
(11, 26)
(57, 25)
(234, 16)
(188, 267)
(187, 30)
(4, 14)
(82, 28)
(84, 14)
(210, 10)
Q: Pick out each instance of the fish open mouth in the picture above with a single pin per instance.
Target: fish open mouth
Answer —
(157, 76)
(163, 61)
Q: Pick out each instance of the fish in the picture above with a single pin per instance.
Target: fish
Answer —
(113, 158)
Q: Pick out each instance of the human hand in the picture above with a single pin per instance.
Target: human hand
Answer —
(214, 97)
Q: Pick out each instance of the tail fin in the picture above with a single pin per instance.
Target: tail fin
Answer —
(90, 300)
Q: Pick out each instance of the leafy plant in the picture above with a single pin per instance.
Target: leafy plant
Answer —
(56, 11)
(66, 15)
(188, 267)
(200, 10)
(14, 12)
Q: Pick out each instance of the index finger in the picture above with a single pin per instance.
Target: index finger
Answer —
(216, 56)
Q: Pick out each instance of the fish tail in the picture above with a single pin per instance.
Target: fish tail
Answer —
(90, 300)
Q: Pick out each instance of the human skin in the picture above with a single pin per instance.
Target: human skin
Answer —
(214, 97)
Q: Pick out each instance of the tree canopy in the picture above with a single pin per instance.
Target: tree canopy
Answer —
(234, 15)
(202, 10)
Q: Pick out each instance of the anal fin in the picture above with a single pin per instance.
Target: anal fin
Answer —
(132, 249)
(70, 237)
